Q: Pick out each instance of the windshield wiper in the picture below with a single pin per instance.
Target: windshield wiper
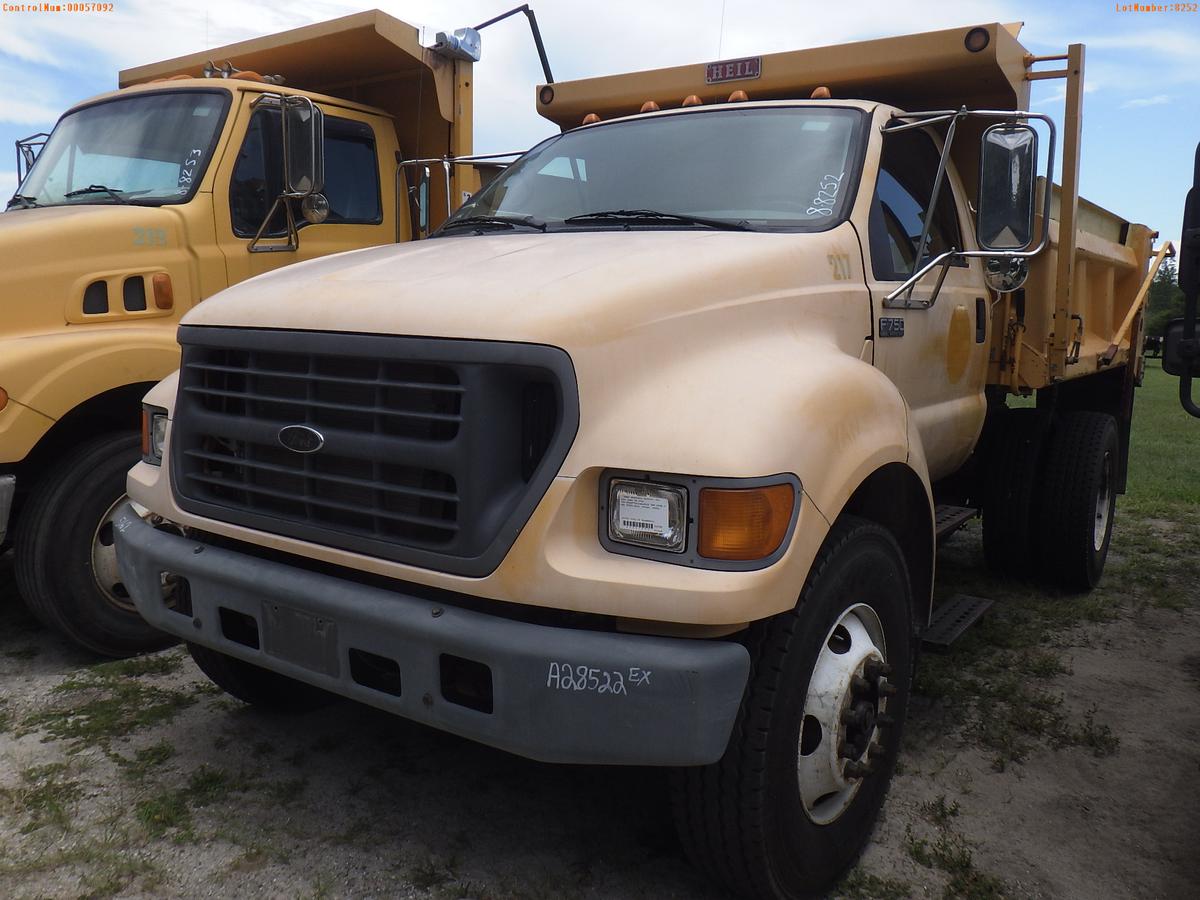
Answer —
(97, 189)
(22, 200)
(495, 222)
(639, 215)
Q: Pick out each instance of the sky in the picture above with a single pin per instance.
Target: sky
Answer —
(1142, 72)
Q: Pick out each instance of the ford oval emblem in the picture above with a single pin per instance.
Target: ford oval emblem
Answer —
(301, 438)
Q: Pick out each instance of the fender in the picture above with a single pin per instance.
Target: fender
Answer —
(52, 374)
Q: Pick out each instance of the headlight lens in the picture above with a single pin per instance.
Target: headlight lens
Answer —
(646, 514)
(154, 434)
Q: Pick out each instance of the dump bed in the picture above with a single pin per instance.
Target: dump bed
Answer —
(1080, 290)
(369, 57)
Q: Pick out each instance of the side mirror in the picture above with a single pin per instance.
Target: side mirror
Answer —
(1007, 181)
(1180, 356)
(303, 147)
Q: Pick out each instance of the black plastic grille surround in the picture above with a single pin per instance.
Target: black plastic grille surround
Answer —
(433, 452)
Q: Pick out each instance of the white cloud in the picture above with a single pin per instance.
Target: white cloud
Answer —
(26, 112)
(1156, 100)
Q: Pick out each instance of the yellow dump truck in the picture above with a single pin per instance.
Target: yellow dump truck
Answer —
(659, 477)
(198, 173)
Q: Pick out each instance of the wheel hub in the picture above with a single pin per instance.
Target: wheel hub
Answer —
(845, 712)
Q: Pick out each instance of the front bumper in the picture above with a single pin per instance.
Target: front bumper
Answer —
(8, 488)
(556, 694)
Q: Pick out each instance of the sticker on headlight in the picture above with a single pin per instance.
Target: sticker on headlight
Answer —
(647, 514)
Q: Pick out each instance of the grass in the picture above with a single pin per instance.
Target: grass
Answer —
(1164, 471)
(97, 704)
(947, 851)
(171, 810)
(997, 683)
(45, 795)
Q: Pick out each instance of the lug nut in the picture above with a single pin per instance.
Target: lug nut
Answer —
(857, 770)
(859, 685)
(886, 688)
(851, 716)
(874, 668)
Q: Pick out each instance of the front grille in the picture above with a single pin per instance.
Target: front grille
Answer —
(434, 451)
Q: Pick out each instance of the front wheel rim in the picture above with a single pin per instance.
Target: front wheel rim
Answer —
(844, 712)
(105, 571)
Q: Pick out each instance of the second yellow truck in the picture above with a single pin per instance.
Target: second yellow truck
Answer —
(146, 200)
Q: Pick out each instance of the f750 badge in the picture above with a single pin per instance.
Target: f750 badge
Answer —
(891, 326)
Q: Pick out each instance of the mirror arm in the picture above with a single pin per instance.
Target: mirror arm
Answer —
(890, 301)
(935, 193)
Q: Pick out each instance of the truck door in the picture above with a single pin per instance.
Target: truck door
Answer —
(249, 180)
(936, 356)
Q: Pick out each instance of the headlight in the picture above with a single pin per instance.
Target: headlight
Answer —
(154, 434)
(646, 514)
(707, 522)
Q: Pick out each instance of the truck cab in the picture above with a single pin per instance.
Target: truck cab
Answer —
(659, 478)
(196, 174)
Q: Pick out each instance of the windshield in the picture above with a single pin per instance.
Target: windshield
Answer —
(148, 148)
(766, 168)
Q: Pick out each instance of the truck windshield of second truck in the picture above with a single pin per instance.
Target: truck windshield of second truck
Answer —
(779, 168)
(150, 148)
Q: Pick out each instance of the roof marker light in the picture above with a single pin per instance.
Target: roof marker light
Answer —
(739, 97)
(649, 106)
(692, 100)
(821, 93)
(591, 119)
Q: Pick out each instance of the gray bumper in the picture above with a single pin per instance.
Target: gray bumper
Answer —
(8, 487)
(557, 694)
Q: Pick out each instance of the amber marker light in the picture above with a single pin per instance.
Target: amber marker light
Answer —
(3, 398)
(164, 293)
(744, 524)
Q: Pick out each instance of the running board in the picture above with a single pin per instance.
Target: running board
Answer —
(948, 519)
(952, 618)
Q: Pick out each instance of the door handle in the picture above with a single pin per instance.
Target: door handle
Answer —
(980, 320)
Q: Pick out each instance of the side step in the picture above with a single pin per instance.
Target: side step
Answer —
(952, 618)
(948, 519)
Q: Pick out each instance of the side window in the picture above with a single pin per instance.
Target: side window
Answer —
(351, 175)
(351, 172)
(907, 170)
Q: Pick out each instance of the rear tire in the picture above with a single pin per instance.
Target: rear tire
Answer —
(1079, 500)
(65, 559)
(1010, 491)
(259, 687)
(780, 815)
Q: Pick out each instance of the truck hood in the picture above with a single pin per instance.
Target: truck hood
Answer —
(51, 254)
(568, 289)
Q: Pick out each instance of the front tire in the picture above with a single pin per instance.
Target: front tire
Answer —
(790, 805)
(66, 564)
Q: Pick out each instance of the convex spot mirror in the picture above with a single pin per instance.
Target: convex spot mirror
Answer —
(1176, 359)
(303, 147)
(1007, 181)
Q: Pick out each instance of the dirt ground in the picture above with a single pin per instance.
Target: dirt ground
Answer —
(1054, 752)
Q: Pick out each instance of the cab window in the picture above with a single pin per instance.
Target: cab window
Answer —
(351, 175)
(907, 170)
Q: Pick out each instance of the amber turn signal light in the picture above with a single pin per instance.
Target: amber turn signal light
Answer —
(3, 398)
(744, 524)
(164, 293)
